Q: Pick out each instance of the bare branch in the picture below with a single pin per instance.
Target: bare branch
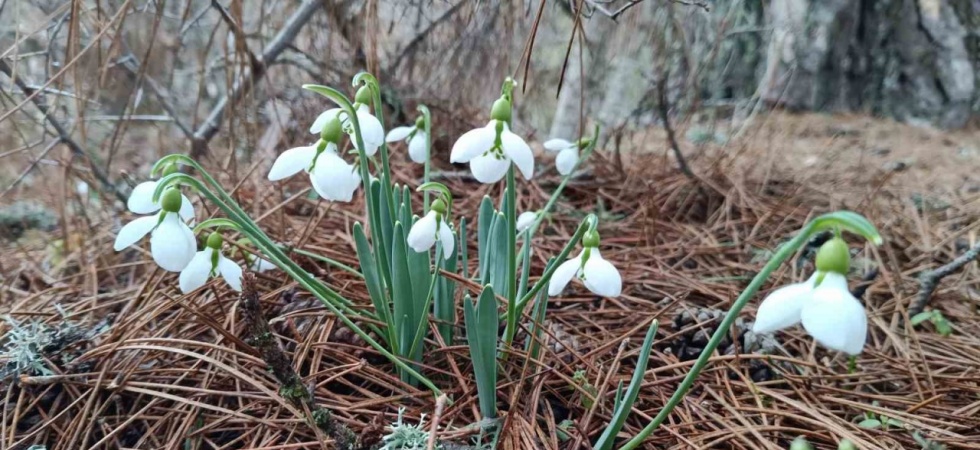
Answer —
(63, 135)
(663, 107)
(207, 130)
(929, 281)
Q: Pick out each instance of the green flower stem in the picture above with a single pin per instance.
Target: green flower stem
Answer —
(587, 224)
(216, 223)
(843, 219)
(369, 80)
(428, 152)
(510, 292)
(586, 152)
(326, 296)
(374, 216)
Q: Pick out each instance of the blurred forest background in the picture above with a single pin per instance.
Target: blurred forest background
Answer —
(95, 91)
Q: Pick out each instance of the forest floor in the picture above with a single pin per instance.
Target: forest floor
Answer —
(135, 364)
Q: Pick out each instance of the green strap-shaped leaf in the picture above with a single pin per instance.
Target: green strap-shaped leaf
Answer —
(401, 288)
(624, 405)
(371, 276)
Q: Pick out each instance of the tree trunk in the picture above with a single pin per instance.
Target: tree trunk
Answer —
(907, 59)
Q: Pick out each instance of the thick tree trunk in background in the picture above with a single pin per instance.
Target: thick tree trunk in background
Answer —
(913, 60)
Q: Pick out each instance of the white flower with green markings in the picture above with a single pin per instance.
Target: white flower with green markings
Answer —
(172, 243)
(823, 304)
(492, 149)
(416, 138)
(208, 263)
(372, 132)
(597, 274)
(431, 229)
(332, 177)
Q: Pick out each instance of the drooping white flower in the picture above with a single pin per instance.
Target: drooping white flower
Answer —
(597, 274)
(210, 262)
(567, 154)
(525, 220)
(372, 132)
(416, 138)
(172, 243)
(332, 177)
(491, 150)
(827, 310)
(141, 201)
(431, 229)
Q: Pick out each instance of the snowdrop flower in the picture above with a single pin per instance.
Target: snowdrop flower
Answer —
(332, 177)
(567, 153)
(260, 265)
(415, 136)
(822, 303)
(525, 220)
(372, 132)
(207, 263)
(599, 275)
(172, 243)
(141, 199)
(491, 149)
(432, 228)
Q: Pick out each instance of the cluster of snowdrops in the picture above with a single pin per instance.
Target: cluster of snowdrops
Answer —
(401, 252)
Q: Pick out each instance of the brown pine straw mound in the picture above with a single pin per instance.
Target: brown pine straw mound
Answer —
(150, 368)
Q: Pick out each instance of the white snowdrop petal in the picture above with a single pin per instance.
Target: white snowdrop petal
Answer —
(422, 236)
(291, 162)
(398, 134)
(566, 159)
(186, 209)
(169, 246)
(322, 120)
(133, 231)
(417, 147)
(525, 220)
(563, 274)
(231, 272)
(333, 178)
(488, 169)
(262, 265)
(557, 145)
(601, 277)
(835, 318)
(372, 132)
(140, 201)
(197, 271)
(447, 240)
(781, 308)
(518, 151)
(473, 143)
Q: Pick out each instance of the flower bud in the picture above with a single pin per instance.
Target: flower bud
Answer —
(215, 240)
(420, 122)
(332, 131)
(834, 256)
(846, 445)
(501, 110)
(439, 206)
(171, 200)
(800, 443)
(363, 95)
(584, 142)
(591, 239)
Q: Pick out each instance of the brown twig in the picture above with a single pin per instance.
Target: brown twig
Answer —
(929, 281)
(663, 108)
(291, 387)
